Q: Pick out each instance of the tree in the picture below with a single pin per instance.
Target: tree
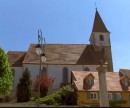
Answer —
(45, 83)
(24, 87)
(6, 75)
(68, 95)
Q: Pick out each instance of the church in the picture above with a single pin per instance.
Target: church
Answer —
(62, 59)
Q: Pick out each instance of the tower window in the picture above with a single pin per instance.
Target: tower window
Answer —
(65, 75)
(101, 38)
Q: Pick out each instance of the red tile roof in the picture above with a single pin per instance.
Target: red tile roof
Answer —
(65, 54)
(89, 75)
(76, 54)
(113, 81)
(16, 58)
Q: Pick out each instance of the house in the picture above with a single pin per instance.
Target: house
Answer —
(64, 58)
(87, 85)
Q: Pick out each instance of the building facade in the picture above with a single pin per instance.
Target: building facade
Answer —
(64, 58)
(87, 85)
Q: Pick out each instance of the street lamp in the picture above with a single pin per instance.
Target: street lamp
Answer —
(39, 51)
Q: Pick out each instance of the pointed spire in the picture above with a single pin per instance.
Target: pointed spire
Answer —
(99, 25)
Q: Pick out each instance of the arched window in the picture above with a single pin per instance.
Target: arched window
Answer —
(65, 75)
(44, 70)
(86, 69)
(101, 38)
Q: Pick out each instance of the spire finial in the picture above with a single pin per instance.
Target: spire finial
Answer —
(95, 5)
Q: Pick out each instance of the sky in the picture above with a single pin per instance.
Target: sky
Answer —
(65, 22)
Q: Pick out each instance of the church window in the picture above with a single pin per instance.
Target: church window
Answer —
(44, 70)
(101, 38)
(65, 75)
(86, 69)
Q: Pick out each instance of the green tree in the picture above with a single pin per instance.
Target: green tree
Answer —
(24, 87)
(68, 95)
(6, 75)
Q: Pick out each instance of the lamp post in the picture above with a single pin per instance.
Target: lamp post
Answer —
(39, 51)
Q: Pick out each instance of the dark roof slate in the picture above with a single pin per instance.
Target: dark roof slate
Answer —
(99, 25)
(16, 58)
(65, 54)
(125, 72)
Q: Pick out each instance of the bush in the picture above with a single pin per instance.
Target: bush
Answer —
(57, 97)
(48, 101)
(64, 84)
(52, 99)
(7, 99)
(68, 95)
(117, 103)
(1, 99)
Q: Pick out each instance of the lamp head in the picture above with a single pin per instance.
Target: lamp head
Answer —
(43, 57)
(38, 49)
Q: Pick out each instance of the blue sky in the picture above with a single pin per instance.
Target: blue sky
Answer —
(65, 22)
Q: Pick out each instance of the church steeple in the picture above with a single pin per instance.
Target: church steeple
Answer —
(100, 34)
(100, 39)
(98, 25)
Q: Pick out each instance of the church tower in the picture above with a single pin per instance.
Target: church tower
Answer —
(100, 39)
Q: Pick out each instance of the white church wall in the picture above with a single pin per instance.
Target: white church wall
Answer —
(55, 71)
(92, 68)
(34, 71)
(17, 75)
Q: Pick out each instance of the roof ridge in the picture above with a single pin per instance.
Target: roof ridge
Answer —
(124, 69)
(61, 44)
(16, 52)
